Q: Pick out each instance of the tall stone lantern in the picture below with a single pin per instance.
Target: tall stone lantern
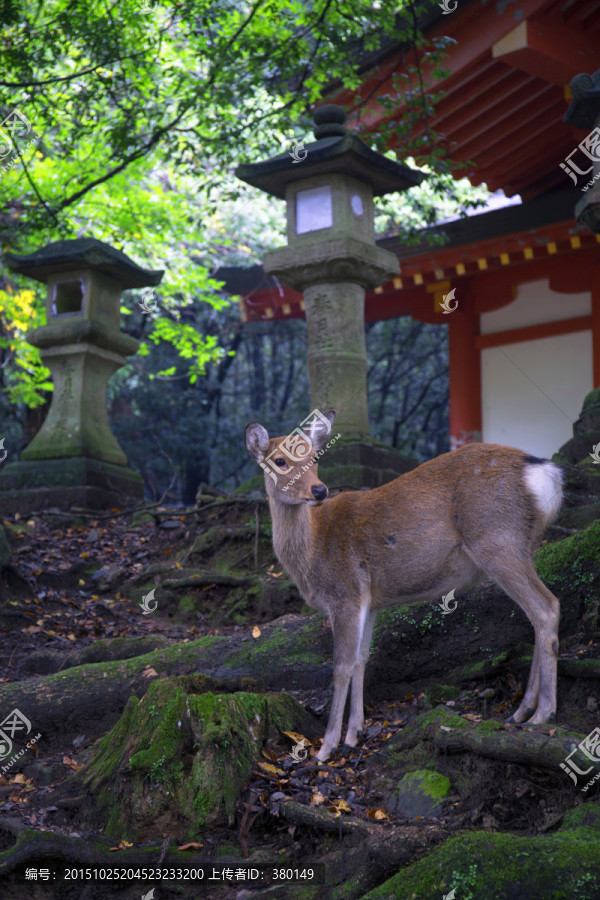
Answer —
(331, 254)
(584, 112)
(75, 459)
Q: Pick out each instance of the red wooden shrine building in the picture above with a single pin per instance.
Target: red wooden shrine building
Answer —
(524, 340)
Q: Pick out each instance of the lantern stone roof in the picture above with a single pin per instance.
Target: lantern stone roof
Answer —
(83, 253)
(336, 151)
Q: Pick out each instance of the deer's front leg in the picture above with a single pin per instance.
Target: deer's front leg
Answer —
(357, 713)
(346, 629)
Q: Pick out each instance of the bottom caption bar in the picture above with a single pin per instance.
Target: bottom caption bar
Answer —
(211, 874)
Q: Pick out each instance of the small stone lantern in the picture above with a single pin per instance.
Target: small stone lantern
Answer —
(331, 254)
(75, 459)
(584, 112)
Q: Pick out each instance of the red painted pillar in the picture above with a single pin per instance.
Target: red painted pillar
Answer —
(465, 378)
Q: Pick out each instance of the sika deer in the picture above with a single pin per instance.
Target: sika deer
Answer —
(476, 510)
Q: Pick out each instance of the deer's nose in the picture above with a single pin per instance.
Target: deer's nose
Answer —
(319, 491)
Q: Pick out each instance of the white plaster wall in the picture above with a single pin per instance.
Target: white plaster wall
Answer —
(532, 391)
(536, 303)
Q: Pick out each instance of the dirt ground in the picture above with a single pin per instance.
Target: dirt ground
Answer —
(53, 605)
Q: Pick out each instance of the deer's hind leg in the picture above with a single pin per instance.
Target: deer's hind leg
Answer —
(529, 703)
(515, 573)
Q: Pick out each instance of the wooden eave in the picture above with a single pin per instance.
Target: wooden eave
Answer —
(506, 91)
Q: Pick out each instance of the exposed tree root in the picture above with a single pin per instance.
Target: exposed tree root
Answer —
(32, 845)
(369, 853)
(527, 745)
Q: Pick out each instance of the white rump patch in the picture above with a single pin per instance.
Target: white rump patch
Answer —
(544, 480)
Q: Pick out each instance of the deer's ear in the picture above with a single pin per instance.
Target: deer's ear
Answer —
(257, 440)
(321, 427)
(330, 414)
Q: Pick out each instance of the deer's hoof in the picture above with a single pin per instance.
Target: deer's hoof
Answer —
(324, 754)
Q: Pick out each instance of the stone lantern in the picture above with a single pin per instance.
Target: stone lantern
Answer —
(332, 258)
(584, 112)
(75, 459)
(331, 254)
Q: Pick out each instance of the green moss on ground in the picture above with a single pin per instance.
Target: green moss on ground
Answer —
(299, 647)
(573, 563)
(485, 866)
(420, 793)
(187, 604)
(161, 660)
(439, 693)
(520, 654)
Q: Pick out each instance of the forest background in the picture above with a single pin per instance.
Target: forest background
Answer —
(138, 114)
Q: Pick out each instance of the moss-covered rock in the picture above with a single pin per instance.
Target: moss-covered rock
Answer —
(586, 430)
(177, 759)
(564, 559)
(591, 406)
(419, 793)
(484, 866)
(572, 566)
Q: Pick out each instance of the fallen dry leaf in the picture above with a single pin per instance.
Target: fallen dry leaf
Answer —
(256, 632)
(190, 845)
(340, 806)
(378, 814)
(122, 846)
(296, 737)
(72, 763)
(271, 769)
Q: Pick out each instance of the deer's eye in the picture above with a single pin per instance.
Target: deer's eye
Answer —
(280, 461)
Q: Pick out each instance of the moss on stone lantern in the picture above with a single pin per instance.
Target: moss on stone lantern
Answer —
(75, 459)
